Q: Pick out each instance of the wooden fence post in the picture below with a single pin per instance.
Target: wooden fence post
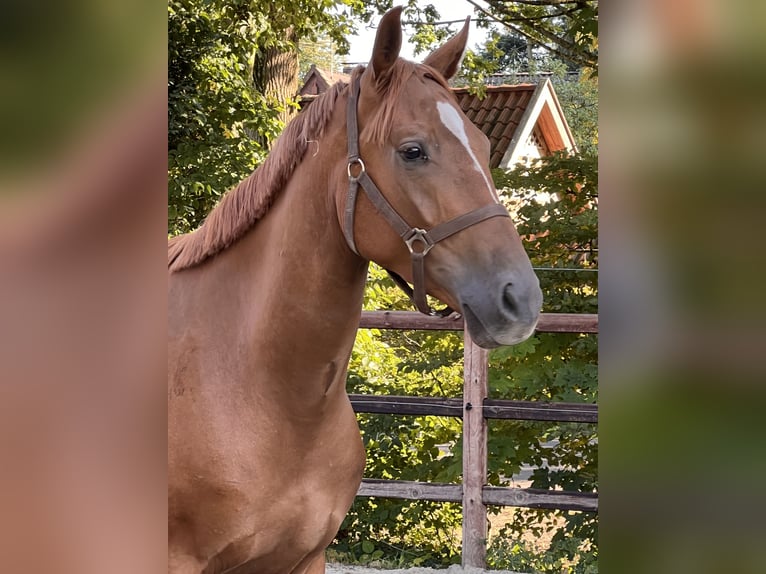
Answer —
(475, 390)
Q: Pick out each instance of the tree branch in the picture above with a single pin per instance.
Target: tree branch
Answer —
(535, 19)
(562, 47)
(421, 23)
(548, 2)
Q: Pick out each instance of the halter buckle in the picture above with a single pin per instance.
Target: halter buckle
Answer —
(351, 163)
(417, 234)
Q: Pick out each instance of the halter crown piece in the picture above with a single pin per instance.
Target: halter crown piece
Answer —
(418, 241)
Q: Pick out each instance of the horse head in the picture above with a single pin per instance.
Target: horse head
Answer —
(429, 163)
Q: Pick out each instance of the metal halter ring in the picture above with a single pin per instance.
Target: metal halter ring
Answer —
(421, 235)
(351, 162)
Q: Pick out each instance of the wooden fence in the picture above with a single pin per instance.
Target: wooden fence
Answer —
(475, 408)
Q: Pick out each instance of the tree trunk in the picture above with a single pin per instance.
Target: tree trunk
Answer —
(275, 75)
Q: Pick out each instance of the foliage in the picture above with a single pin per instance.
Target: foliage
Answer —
(579, 102)
(512, 53)
(218, 125)
(520, 555)
(320, 52)
(210, 106)
(568, 29)
(558, 218)
(547, 30)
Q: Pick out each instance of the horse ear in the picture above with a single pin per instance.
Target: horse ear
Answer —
(447, 58)
(388, 42)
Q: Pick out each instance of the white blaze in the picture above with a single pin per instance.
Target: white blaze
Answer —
(454, 123)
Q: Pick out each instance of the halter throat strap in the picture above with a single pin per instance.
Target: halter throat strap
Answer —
(418, 241)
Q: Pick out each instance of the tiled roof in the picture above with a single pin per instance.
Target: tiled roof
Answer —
(497, 115)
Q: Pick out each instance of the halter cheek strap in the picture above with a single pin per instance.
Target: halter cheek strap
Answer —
(418, 241)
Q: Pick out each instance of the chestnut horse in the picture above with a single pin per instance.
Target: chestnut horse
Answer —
(265, 455)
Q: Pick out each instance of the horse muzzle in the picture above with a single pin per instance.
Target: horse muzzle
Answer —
(503, 311)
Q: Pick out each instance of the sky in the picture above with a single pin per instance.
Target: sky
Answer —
(361, 44)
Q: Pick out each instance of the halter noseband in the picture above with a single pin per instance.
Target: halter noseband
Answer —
(419, 241)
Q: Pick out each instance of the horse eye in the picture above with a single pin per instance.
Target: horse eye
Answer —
(412, 152)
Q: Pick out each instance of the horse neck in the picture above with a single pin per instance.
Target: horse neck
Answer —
(300, 288)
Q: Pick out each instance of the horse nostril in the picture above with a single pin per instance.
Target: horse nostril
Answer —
(509, 299)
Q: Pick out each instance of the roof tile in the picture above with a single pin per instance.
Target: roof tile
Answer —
(497, 115)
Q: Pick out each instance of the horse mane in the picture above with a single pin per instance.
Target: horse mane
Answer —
(247, 202)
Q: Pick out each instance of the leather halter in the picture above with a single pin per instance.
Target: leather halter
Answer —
(419, 241)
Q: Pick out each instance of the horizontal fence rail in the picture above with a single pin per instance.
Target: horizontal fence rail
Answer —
(493, 409)
(548, 323)
(475, 408)
(492, 495)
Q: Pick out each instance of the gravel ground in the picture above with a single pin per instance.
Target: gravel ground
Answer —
(341, 569)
